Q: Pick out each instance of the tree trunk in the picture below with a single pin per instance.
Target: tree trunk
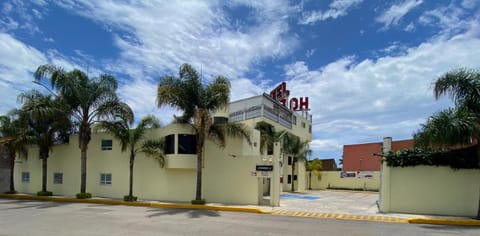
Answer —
(310, 181)
(293, 174)
(83, 168)
(130, 187)
(12, 172)
(198, 193)
(44, 174)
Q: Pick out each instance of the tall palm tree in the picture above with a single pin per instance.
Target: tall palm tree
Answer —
(198, 102)
(298, 149)
(14, 138)
(459, 125)
(135, 141)
(48, 120)
(89, 100)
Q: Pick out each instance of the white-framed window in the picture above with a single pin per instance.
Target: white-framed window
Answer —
(294, 119)
(310, 128)
(25, 177)
(106, 144)
(57, 178)
(105, 179)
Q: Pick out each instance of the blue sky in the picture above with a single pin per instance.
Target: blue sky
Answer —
(367, 66)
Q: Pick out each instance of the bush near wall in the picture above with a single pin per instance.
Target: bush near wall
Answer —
(465, 158)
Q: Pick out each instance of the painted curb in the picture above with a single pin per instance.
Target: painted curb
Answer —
(436, 221)
(143, 204)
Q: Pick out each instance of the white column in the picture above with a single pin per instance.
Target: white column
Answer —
(275, 181)
(385, 177)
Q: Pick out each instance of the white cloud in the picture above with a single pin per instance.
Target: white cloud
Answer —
(469, 4)
(410, 27)
(336, 9)
(26, 15)
(326, 144)
(396, 12)
(165, 35)
(17, 63)
(450, 19)
(362, 101)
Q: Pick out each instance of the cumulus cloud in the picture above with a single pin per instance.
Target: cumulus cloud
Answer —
(155, 38)
(17, 64)
(362, 101)
(396, 12)
(337, 8)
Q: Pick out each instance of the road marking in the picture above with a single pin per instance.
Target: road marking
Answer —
(340, 216)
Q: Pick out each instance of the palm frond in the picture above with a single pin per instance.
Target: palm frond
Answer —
(462, 86)
(156, 149)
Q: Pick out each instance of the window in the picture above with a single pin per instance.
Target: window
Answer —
(289, 179)
(295, 178)
(25, 177)
(220, 120)
(289, 160)
(58, 178)
(310, 128)
(269, 148)
(170, 144)
(106, 144)
(105, 179)
(303, 125)
(294, 119)
(186, 144)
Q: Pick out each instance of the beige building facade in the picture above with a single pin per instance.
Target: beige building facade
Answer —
(230, 174)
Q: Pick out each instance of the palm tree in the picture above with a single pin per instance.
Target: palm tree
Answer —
(14, 138)
(313, 166)
(89, 100)
(459, 125)
(135, 141)
(293, 145)
(48, 119)
(198, 102)
(268, 136)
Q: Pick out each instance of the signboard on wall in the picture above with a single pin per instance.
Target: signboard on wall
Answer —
(281, 94)
(264, 167)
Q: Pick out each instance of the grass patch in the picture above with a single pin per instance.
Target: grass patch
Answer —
(11, 192)
(130, 199)
(83, 195)
(199, 202)
(44, 193)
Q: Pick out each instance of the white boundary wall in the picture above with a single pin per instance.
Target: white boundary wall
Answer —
(332, 179)
(430, 190)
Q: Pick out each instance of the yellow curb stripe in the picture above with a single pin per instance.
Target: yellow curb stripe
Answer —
(144, 204)
(444, 221)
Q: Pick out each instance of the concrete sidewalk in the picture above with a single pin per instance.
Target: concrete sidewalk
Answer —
(340, 205)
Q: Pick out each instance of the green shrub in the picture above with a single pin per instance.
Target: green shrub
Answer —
(128, 199)
(464, 158)
(46, 193)
(11, 192)
(199, 202)
(84, 195)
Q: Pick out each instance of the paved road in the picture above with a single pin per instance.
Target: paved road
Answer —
(19, 217)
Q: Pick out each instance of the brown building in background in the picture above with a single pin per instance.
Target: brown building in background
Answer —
(329, 165)
(361, 157)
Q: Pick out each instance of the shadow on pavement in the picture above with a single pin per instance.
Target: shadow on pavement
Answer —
(191, 213)
(33, 204)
